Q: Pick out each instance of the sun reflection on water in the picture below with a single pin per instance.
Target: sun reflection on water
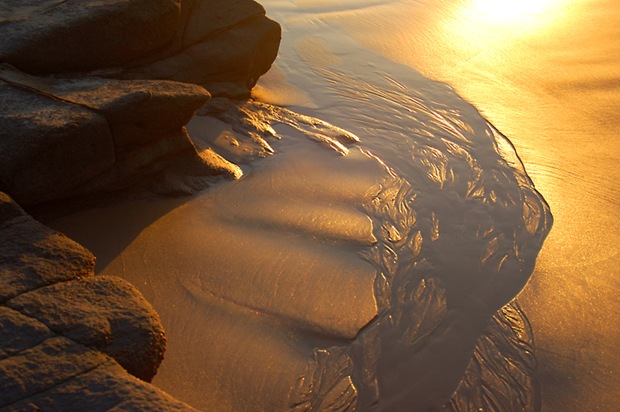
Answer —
(503, 11)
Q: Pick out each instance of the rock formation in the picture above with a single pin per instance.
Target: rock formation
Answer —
(225, 45)
(88, 108)
(77, 135)
(69, 340)
(63, 138)
(54, 36)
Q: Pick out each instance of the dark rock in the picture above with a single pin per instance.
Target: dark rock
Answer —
(69, 138)
(224, 45)
(105, 388)
(33, 256)
(42, 277)
(9, 210)
(104, 313)
(54, 36)
(40, 368)
(19, 332)
(143, 104)
(48, 147)
(202, 18)
(62, 338)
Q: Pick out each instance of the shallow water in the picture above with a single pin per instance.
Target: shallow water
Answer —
(408, 241)
(546, 73)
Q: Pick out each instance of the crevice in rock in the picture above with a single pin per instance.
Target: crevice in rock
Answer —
(55, 332)
(48, 95)
(8, 299)
(60, 383)
(187, 17)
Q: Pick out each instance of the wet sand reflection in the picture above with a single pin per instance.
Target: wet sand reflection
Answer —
(549, 80)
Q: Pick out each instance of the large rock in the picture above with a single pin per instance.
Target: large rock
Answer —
(202, 18)
(19, 333)
(49, 147)
(105, 388)
(33, 256)
(64, 334)
(224, 45)
(104, 313)
(63, 138)
(54, 36)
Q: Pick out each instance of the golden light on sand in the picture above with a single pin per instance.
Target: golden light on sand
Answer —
(502, 11)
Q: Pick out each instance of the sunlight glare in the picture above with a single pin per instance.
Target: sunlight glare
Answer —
(502, 11)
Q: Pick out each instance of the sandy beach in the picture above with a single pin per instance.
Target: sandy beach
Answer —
(381, 264)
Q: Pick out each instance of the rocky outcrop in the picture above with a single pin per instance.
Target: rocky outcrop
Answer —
(56, 36)
(23, 243)
(68, 340)
(67, 138)
(94, 98)
(222, 44)
(103, 313)
(77, 135)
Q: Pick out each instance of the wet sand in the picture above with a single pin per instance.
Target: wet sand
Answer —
(234, 273)
(547, 75)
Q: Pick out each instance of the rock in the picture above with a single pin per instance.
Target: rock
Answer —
(48, 147)
(33, 256)
(63, 338)
(59, 374)
(9, 210)
(202, 18)
(53, 36)
(79, 137)
(68, 138)
(19, 332)
(107, 387)
(224, 45)
(104, 313)
(38, 368)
